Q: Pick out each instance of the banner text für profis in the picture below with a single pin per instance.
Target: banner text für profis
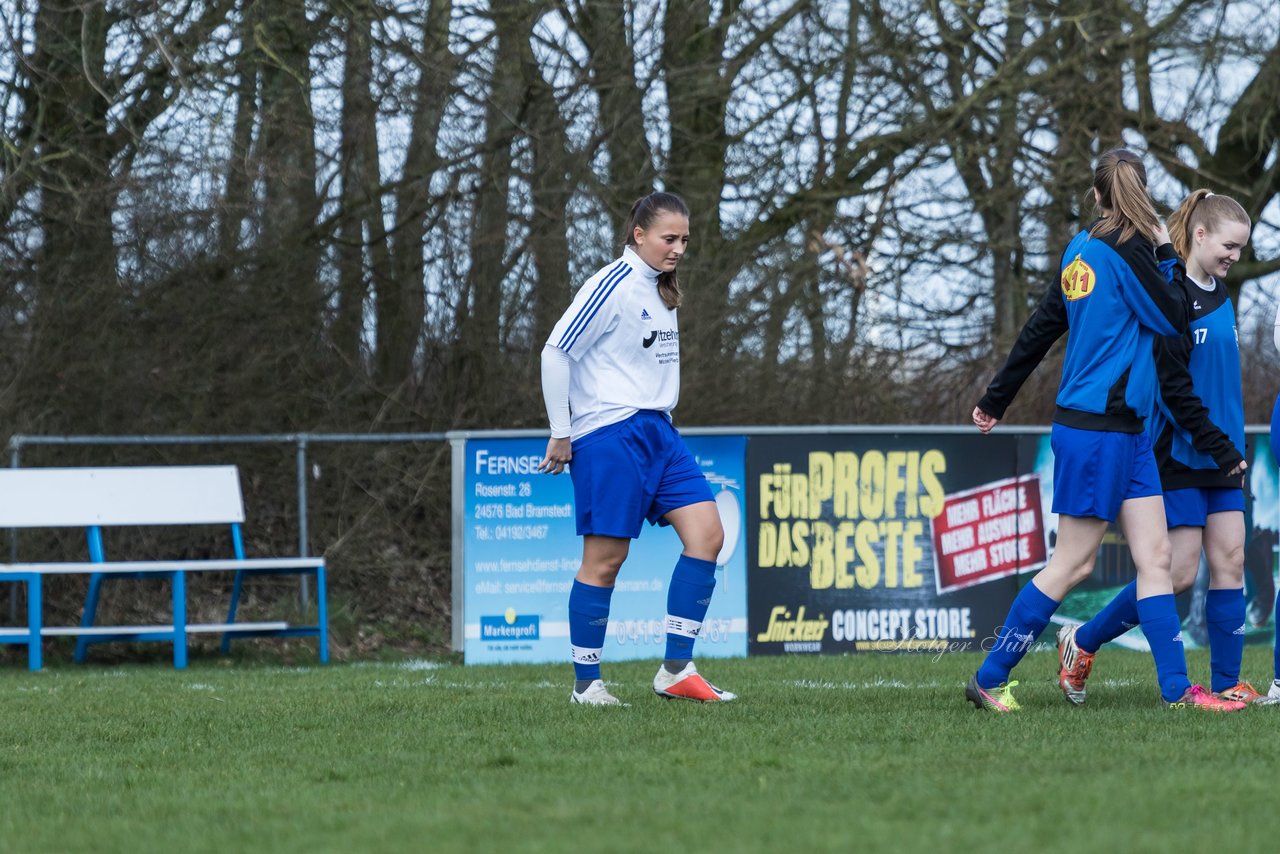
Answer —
(856, 520)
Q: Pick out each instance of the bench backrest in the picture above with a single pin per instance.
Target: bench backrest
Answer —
(141, 495)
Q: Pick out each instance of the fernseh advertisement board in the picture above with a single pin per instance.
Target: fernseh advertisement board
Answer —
(521, 552)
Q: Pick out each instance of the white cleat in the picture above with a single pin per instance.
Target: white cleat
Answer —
(595, 695)
(1272, 697)
(688, 685)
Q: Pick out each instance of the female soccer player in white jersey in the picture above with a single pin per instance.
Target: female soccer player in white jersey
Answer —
(610, 378)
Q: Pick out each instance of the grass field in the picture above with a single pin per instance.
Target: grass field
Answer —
(866, 752)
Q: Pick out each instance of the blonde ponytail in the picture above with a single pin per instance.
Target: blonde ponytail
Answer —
(1121, 182)
(1202, 208)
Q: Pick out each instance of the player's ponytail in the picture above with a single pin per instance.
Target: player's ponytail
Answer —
(1202, 208)
(1121, 182)
(643, 213)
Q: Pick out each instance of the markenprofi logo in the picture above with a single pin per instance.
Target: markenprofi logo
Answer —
(510, 627)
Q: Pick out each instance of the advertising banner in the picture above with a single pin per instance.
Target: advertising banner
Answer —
(521, 552)
(886, 542)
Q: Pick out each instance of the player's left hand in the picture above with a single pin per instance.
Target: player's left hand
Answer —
(559, 452)
(1238, 469)
(984, 421)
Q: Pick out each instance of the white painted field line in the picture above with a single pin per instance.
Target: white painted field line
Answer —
(823, 685)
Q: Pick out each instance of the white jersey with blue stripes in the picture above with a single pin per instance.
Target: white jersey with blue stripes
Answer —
(624, 343)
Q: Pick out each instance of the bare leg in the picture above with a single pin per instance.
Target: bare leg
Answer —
(1185, 543)
(602, 557)
(698, 526)
(1224, 548)
(1143, 522)
(1073, 558)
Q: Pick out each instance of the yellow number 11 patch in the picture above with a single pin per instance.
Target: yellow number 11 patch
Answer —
(1077, 279)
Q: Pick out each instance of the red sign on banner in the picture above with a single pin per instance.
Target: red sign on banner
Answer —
(989, 532)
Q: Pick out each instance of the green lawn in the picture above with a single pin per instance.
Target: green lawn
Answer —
(866, 752)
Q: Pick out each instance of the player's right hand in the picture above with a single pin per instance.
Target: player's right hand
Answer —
(559, 452)
(984, 421)
(1161, 237)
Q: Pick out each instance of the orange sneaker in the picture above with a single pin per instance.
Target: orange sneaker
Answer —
(1198, 698)
(1241, 692)
(688, 685)
(1074, 665)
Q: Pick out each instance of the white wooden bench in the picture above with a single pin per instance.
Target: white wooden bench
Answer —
(97, 498)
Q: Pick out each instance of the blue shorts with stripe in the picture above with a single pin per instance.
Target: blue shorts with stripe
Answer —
(633, 470)
(1095, 471)
(1275, 431)
(1192, 507)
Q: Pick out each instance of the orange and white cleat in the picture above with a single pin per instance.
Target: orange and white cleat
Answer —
(1243, 692)
(1198, 698)
(1074, 666)
(688, 685)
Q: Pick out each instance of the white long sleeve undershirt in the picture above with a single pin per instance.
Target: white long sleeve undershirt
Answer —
(555, 390)
(1277, 329)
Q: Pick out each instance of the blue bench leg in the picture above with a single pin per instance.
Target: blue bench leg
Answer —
(231, 612)
(34, 623)
(90, 612)
(322, 615)
(179, 620)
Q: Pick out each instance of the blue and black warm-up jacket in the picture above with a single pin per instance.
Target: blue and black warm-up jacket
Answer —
(1115, 298)
(1197, 422)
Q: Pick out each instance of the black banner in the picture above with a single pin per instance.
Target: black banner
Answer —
(887, 542)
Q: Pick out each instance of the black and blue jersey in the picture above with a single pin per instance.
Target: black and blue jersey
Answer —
(1197, 422)
(1115, 298)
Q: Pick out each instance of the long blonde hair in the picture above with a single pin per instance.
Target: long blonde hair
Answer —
(1202, 208)
(1121, 182)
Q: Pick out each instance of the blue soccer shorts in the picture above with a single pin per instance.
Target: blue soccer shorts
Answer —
(1095, 471)
(1192, 507)
(633, 470)
(1275, 431)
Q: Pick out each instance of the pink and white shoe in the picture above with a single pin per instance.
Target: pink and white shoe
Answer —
(1198, 698)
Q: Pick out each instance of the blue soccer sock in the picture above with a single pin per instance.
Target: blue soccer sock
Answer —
(1276, 616)
(1028, 616)
(1224, 613)
(688, 597)
(1159, 617)
(588, 620)
(1119, 615)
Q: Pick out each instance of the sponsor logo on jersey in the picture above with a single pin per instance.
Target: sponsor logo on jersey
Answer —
(1078, 280)
(663, 335)
(644, 314)
(1195, 305)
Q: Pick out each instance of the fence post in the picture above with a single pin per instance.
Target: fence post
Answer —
(302, 513)
(13, 541)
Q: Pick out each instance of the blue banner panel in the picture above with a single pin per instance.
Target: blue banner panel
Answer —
(521, 552)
